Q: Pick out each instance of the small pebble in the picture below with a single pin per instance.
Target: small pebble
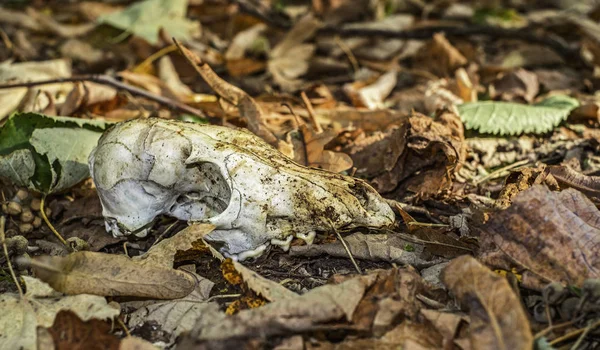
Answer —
(78, 244)
(13, 208)
(25, 228)
(37, 222)
(17, 245)
(22, 194)
(35, 204)
(27, 216)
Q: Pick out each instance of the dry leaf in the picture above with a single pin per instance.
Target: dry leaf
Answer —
(373, 95)
(566, 177)
(247, 106)
(498, 320)
(440, 57)
(39, 307)
(553, 236)
(374, 247)
(516, 86)
(111, 275)
(70, 332)
(310, 150)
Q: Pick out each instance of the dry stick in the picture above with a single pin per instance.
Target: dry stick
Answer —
(110, 81)
(3, 242)
(574, 333)
(552, 328)
(150, 59)
(345, 247)
(50, 226)
(311, 113)
(499, 172)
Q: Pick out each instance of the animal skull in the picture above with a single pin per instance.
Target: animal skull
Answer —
(230, 178)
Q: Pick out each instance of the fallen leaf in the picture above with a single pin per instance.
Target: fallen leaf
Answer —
(506, 118)
(309, 149)
(47, 154)
(566, 177)
(440, 57)
(146, 18)
(515, 86)
(289, 59)
(550, 235)
(150, 275)
(10, 99)
(373, 95)
(39, 307)
(498, 320)
(70, 332)
(373, 247)
(243, 41)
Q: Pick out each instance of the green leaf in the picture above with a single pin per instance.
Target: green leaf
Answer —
(507, 118)
(47, 154)
(145, 18)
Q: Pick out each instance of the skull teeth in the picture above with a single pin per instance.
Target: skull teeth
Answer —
(283, 243)
(308, 237)
(248, 253)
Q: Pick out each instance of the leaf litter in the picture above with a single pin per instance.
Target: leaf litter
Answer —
(481, 135)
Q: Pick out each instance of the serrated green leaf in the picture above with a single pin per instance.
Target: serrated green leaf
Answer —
(507, 118)
(145, 18)
(47, 154)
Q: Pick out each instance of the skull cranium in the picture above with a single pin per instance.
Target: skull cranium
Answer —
(230, 178)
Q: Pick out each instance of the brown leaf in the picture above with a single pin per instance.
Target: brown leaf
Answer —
(554, 236)
(418, 156)
(498, 320)
(516, 86)
(566, 177)
(440, 57)
(247, 106)
(69, 332)
(111, 275)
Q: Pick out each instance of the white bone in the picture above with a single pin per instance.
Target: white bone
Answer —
(227, 177)
(283, 243)
(308, 238)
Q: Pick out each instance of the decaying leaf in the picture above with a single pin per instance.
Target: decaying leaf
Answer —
(506, 118)
(498, 320)
(418, 155)
(308, 148)
(550, 235)
(514, 86)
(566, 177)
(373, 95)
(146, 18)
(69, 332)
(374, 247)
(10, 99)
(20, 317)
(290, 58)
(440, 56)
(47, 154)
(373, 300)
(247, 106)
(150, 275)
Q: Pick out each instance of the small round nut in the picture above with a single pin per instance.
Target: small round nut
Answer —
(78, 244)
(37, 222)
(22, 194)
(48, 212)
(17, 244)
(35, 204)
(27, 216)
(13, 208)
(25, 228)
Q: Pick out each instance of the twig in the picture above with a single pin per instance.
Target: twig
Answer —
(49, 224)
(345, 247)
(348, 52)
(110, 81)
(143, 66)
(499, 172)
(552, 328)
(411, 209)
(311, 112)
(574, 333)
(582, 336)
(258, 10)
(10, 268)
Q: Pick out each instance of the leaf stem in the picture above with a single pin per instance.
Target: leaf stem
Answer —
(49, 224)
(10, 268)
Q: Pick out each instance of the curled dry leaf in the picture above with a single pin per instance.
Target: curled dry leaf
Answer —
(440, 57)
(430, 149)
(498, 320)
(373, 95)
(553, 236)
(247, 106)
(566, 177)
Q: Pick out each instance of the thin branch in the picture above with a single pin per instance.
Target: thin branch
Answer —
(346, 248)
(110, 81)
(10, 268)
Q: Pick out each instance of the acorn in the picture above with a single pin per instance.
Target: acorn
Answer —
(37, 222)
(25, 228)
(27, 216)
(22, 194)
(13, 208)
(35, 204)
